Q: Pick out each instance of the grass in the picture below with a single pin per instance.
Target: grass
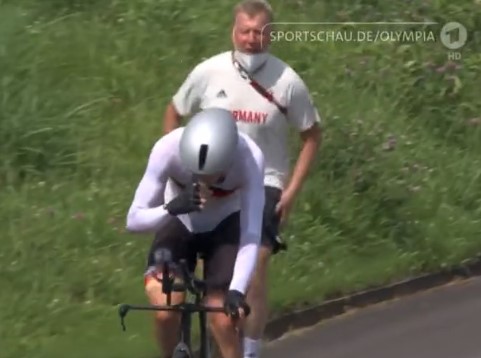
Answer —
(83, 86)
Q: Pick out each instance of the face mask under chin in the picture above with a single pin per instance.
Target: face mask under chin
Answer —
(251, 61)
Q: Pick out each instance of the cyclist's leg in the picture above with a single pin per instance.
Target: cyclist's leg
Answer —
(257, 294)
(174, 237)
(220, 252)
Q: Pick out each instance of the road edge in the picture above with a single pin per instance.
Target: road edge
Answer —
(310, 316)
(313, 315)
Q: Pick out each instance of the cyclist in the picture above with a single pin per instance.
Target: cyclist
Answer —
(216, 209)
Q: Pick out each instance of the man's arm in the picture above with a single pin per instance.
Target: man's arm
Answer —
(311, 141)
(172, 119)
(305, 117)
(187, 99)
(146, 212)
(252, 198)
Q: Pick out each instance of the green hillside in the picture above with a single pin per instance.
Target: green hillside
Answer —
(396, 189)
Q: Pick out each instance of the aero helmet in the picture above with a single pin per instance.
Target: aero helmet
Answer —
(209, 142)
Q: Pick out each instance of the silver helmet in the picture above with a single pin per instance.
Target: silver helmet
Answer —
(209, 142)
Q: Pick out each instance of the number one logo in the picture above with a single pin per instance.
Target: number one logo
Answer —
(453, 35)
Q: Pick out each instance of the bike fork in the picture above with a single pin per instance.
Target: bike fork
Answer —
(204, 351)
(182, 350)
(185, 330)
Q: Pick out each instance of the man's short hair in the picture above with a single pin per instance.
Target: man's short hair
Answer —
(254, 7)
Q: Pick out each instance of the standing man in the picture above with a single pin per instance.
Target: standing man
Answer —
(266, 96)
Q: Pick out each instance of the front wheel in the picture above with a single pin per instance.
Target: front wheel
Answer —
(182, 351)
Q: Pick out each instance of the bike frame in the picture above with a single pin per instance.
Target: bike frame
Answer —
(190, 284)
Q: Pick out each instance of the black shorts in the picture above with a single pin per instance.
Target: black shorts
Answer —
(218, 248)
(270, 223)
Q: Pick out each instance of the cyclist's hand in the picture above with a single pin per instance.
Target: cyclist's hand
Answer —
(235, 305)
(205, 192)
(186, 202)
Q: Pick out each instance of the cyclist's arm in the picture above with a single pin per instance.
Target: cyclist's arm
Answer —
(146, 212)
(252, 207)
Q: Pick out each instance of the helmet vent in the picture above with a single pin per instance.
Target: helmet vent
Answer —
(203, 155)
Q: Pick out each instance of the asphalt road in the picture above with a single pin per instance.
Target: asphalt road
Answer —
(440, 323)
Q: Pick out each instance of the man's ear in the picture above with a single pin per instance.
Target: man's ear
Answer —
(232, 34)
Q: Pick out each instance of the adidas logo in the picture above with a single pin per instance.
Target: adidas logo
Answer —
(221, 94)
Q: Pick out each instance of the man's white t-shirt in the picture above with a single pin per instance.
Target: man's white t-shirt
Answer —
(244, 180)
(215, 82)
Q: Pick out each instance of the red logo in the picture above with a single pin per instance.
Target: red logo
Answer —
(250, 116)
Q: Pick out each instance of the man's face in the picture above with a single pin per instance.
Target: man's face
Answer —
(251, 34)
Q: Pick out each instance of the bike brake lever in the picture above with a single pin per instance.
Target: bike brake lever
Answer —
(123, 310)
(247, 310)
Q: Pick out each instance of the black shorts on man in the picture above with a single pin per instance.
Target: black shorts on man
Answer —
(271, 221)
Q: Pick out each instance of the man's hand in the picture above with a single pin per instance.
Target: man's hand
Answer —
(283, 207)
(235, 305)
(186, 202)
